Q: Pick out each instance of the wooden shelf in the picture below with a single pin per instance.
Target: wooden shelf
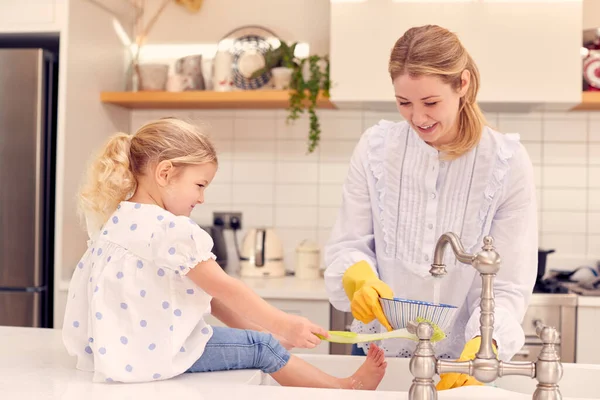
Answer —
(589, 101)
(251, 99)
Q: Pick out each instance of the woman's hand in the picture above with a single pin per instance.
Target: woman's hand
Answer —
(364, 289)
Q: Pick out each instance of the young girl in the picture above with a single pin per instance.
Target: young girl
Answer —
(138, 296)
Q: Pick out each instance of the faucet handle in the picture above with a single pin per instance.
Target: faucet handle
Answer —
(411, 327)
(547, 334)
(548, 368)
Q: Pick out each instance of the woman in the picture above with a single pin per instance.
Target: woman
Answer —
(441, 170)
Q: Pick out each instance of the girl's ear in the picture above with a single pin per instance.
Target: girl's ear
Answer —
(164, 172)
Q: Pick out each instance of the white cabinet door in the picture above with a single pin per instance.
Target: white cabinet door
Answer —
(527, 52)
(588, 326)
(315, 310)
(31, 15)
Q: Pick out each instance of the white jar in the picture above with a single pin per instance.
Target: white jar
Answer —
(308, 260)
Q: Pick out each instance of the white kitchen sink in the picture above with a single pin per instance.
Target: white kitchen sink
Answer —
(575, 383)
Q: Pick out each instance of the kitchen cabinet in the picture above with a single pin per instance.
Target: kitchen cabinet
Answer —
(315, 310)
(527, 52)
(588, 326)
(19, 16)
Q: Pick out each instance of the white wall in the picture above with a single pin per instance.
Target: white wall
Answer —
(92, 60)
(591, 14)
(292, 20)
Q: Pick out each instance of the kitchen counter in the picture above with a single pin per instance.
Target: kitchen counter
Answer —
(292, 288)
(554, 299)
(34, 364)
(287, 288)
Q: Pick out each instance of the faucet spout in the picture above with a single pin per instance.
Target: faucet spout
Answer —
(438, 268)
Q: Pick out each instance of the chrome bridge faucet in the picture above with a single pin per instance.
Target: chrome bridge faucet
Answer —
(486, 368)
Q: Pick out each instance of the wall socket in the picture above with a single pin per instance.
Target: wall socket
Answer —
(223, 218)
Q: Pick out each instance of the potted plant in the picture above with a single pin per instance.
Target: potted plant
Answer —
(281, 63)
(308, 78)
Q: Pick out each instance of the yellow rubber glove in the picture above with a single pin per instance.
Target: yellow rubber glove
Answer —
(364, 288)
(454, 380)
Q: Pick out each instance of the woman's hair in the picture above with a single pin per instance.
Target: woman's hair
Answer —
(433, 50)
(112, 175)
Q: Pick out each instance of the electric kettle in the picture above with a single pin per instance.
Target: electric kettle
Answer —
(261, 254)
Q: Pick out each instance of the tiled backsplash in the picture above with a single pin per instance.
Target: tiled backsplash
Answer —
(266, 173)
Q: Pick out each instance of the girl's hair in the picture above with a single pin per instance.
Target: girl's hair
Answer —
(433, 50)
(112, 176)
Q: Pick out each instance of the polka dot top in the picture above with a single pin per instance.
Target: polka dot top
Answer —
(132, 315)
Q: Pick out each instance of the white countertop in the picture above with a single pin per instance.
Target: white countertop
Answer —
(34, 364)
(288, 288)
(292, 288)
(588, 301)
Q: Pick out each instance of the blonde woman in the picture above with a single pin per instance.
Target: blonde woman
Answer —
(442, 169)
(137, 299)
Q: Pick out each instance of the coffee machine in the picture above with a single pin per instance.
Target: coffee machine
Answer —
(219, 247)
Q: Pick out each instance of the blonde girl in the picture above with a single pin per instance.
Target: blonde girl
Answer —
(138, 297)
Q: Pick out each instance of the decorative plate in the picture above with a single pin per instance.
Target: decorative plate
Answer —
(591, 69)
(248, 46)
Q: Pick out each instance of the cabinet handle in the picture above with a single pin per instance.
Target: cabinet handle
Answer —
(523, 353)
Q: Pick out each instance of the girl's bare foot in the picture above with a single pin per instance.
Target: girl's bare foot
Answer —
(370, 373)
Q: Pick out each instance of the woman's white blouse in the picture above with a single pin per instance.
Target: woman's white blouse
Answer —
(399, 197)
(132, 315)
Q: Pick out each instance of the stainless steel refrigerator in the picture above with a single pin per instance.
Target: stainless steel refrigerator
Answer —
(27, 138)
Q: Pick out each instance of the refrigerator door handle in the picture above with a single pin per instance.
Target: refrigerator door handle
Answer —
(39, 167)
